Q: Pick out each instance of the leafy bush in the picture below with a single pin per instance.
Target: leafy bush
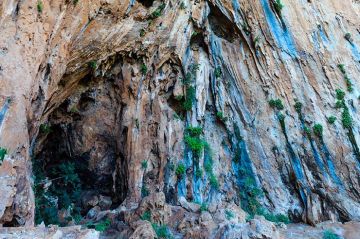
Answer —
(144, 191)
(45, 128)
(277, 104)
(229, 214)
(3, 152)
(330, 235)
(103, 226)
(199, 173)
(318, 130)
(195, 144)
(331, 119)
(194, 131)
(342, 68)
(277, 218)
(180, 170)
(146, 216)
(213, 181)
(92, 65)
(64, 191)
(143, 69)
(189, 99)
(203, 207)
(217, 72)
(144, 164)
(340, 94)
(157, 13)
(346, 119)
(40, 6)
(278, 6)
(340, 104)
(221, 117)
(298, 106)
(162, 231)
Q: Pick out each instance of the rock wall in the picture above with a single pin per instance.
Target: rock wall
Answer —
(123, 84)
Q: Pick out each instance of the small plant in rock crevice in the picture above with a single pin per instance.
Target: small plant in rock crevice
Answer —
(229, 214)
(203, 207)
(330, 235)
(348, 82)
(144, 164)
(318, 130)
(158, 12)
(143, 69)
(298, 107)
(39, 6)
(217, 72)
(278, 5)
(331, 119)
(180, 170)
(276, 104)
(162, 231)
(3, 153)
(220, 116)
(146, 216)
(92, 65)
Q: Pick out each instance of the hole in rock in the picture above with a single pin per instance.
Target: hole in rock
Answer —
(146, 3)
(79, 163)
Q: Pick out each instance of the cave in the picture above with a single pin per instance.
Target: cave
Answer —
(79, 160)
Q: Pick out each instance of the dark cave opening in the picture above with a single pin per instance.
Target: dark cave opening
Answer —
(79, 164)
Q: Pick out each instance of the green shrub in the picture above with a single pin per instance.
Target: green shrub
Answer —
(298, 106)
(40, 6)
(203, 207)
(331, 119)
(182, 6)
(229, 214)
(189, 99)
(103, 225)
(144, 191)
(340, 104)
(195, 131)
(307, 131)
(3, 152)
(340, 94)
(208, 166)
(143, 69)
(277, 104)
(195, 144)
(146, 216)
(162, 231)
(342, 68)
(278, 218)
(330, 235)
(318, 130)
(213, 181)
(45, 128)
(217, 72)
(278, 6)
(75, 2)
(92, 65)
(180, 170)
(199, 173)
(157, 13)
(221, 117)
(346, 119)
(144, 164)
(142, 32)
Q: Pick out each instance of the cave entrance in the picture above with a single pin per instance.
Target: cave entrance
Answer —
(79, 163)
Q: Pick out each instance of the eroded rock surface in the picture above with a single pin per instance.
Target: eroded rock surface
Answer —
(202, 113)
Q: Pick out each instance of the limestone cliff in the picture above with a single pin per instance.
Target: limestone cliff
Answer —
(199, 115)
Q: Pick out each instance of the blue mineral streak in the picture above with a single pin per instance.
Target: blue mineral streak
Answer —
(282, 36)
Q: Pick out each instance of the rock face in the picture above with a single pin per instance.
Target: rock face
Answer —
(123, 106)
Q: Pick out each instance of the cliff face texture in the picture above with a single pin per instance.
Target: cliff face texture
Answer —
(208, 119)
